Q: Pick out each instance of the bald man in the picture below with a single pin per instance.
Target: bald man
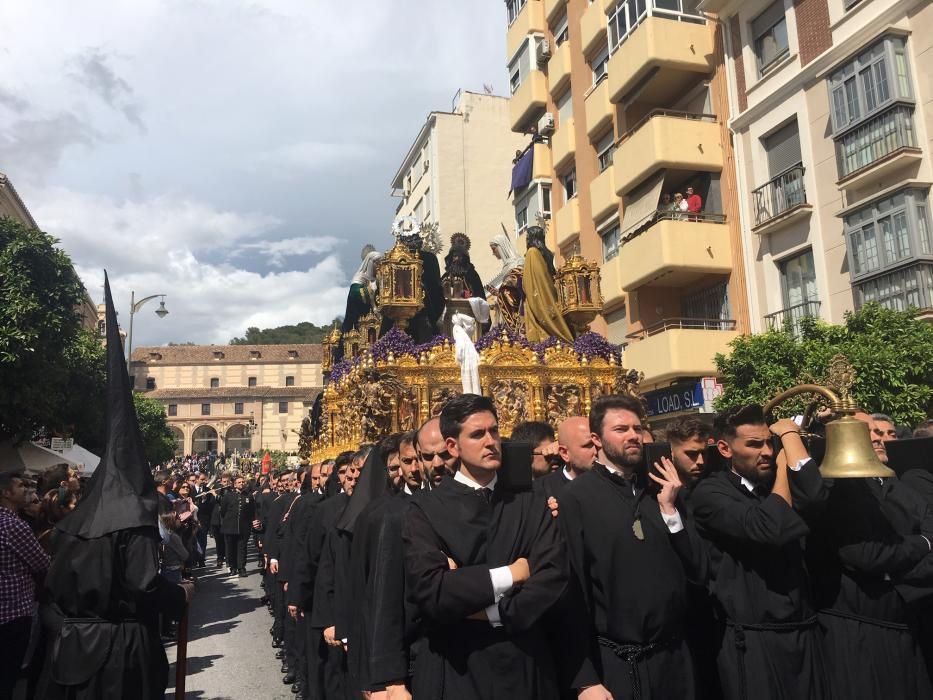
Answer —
(576, 449)
(435, 460)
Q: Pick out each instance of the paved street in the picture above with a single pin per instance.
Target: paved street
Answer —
(229, 652)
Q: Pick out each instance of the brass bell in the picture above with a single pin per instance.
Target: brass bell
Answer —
(849, 454)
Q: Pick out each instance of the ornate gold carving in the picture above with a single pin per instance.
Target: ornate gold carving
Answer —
(511, 397)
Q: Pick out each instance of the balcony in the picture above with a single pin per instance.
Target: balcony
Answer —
(541, 167)
(879, 146)
(528, 102)
(660, 54)
(567, 222)
(675, 253)
(599, 110)
(552, 8)
(564, 144)
(529, 21)
(603, 197)
(789, 319)
(610, 273)
(781, 201)
(558, 69)
(680, 347)
(670, 140)
(593, 28)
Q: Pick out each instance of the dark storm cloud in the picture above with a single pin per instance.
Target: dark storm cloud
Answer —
(94, 72)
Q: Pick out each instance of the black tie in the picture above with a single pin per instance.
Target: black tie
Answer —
(486, 493)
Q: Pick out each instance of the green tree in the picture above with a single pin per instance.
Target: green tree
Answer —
(158, 440)
(304, 332)
(51, 369)
(891, 351)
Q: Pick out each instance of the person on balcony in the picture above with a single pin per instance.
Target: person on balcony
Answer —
(694, 204)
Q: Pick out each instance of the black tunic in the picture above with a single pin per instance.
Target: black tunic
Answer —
(866, 546)
(771, 647)
(463, 658)
(635, 589)
(103, 619)
(381, 625)
(237, 512)
(552, 484)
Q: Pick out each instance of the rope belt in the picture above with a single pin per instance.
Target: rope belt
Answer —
(739, 629)
(632, 654)
(867, 620)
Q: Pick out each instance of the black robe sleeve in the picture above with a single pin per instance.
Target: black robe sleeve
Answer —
(771, 521)
(323, 614)
(139, 568)
(442, 594)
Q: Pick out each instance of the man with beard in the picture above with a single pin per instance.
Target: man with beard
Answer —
(625, 542)
(577, 451)
(484, 565)
(544, 447)
(436, 460)
(753, 516)
(688, 438)
(870, 557)
(237, 512)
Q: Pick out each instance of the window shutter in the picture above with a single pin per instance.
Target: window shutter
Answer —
(768, 18)
(783, 149)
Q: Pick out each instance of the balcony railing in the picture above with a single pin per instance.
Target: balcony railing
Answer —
(701, 324)
(676, 114)
(630, 13)
(779, 195)
(669, 214)
(789, 319)
(877, 138)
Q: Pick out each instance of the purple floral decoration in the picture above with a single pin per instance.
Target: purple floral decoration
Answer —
(396, 342)
(496, 332)
(592, 345)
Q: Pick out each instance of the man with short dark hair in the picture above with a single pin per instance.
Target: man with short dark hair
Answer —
(540, 436)
(162, 479)
(237, 512)
(408, 464)
(625, 542)
(436, 460)
(22, 562)
(484, 566)
(688, 438)
(753, 516)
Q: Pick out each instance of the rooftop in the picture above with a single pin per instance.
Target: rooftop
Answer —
(237, 392)
(226, 354)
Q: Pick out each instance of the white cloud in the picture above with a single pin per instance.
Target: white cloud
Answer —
(275, 253)
(317, 156)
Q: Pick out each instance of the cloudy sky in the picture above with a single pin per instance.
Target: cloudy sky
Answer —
(232, 154)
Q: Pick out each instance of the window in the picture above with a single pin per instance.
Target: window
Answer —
(238, 408)
(283, 406)
(173, 409)
(521, 219)
(868, 83)
(600, 65)
(769, 33)
(605, 148)
(546, 201)
(898, 290)
(513, 8)
(515, 80)
(251, 381)
(215, 382)
(798, 279)
(534, 204)
(569, 181)
(427, 204)
(887, 233)
(625, 17)
(611, 239)
(101, 328)
(205, 409)
(564, 108)
(519, 67)
(562, 32)
(289, 381)
(150, 383)
(783, 149)
(708, 304)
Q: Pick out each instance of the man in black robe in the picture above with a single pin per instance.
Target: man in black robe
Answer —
(754, 517)
(237, 512)
(544, 446)
(103, 589)
(625, 542)
(381, 627)
(484, 567)
(436, 461)
(273, 546)
(870, 555)
(577, 452)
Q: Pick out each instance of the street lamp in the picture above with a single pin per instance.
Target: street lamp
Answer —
(135, 306)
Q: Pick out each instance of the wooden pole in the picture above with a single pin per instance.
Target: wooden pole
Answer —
(181, 656)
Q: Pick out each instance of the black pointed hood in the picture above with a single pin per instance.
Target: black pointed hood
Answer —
(121, 494)
(373, 483)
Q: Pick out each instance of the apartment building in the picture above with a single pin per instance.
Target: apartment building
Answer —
(623, 104)
(226, 398)
(455, 175)
(831, 102)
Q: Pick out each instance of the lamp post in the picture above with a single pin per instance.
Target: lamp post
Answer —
(135, 306)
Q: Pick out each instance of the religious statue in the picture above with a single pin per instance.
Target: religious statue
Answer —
(460, 280)
(542, 311)
(507, 285)
(360, 296)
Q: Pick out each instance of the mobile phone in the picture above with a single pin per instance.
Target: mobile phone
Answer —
(654, 451)
(515, 472)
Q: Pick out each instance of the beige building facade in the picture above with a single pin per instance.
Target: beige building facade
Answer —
(624, 103)
(454, 174)
(227, 398)
(832, 103)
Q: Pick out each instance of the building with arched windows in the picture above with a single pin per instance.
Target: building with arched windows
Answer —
(231, 398)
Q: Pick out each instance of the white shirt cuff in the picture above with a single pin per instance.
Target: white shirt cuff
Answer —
(492, 612)
(674, 522)
(501, 581)
(797, 467)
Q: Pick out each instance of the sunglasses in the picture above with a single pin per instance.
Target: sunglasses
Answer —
(429, 456)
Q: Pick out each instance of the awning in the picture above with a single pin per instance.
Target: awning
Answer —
(521, 171)
(642, 204)
(86, 460)
(31, 458)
